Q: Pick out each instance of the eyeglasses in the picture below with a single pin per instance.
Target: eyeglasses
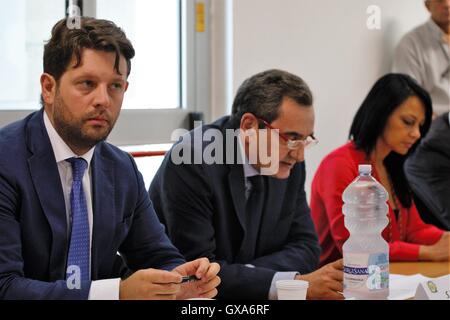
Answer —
(306, 143)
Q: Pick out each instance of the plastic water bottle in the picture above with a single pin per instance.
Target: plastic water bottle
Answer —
(366, 253)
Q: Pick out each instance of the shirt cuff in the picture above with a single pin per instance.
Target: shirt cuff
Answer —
(273, 295)
(107, 289)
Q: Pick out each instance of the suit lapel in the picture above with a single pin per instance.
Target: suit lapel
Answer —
(103, 195)
(237, 188)
(236, 180)
(45, 176)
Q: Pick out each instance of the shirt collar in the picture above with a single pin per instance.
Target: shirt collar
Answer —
(249, 170)
(60, 148)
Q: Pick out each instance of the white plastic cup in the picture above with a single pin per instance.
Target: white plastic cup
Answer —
(292, 289)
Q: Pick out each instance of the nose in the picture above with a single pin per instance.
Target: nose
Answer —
(101, 96)
(298, 154)
(415, 133)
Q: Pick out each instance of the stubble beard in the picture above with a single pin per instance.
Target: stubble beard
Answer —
(73, 131)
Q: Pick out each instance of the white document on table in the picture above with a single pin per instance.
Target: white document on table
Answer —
(404, 287)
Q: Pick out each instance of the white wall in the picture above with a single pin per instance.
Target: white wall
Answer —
(327, 43)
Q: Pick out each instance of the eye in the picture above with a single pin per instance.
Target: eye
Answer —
(293, 136)
(87, 84)
(408, 122)
(117, 86)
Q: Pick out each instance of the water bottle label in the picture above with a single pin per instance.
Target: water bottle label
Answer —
(366, 271)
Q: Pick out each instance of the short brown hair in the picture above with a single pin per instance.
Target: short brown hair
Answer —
(263, 93)
(94, 34)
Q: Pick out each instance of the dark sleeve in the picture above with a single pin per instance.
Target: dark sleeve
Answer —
(183, 199)
(13, 284)
(428, 173)
(146, 244)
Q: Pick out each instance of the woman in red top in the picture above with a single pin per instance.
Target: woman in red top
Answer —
(386, 129)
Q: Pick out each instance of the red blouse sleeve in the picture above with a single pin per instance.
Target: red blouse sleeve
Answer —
(418, 231)
(337, 173)
(403, 251)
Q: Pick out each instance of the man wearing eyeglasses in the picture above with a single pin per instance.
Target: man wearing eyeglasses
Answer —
(424, 54)
(247, 209)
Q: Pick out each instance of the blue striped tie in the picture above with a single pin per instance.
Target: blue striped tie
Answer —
(79, 239)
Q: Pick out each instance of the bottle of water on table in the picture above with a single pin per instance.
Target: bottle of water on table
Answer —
(365, 253)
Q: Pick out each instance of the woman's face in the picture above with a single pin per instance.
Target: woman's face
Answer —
(403, 126)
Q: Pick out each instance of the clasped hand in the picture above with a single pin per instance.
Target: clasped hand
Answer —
(154, 284)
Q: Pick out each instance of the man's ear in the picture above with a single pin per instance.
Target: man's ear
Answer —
(48, 89)
(248, 121)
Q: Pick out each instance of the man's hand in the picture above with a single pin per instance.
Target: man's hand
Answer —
(150, 284)
(203, 270)
(440, 251)
(325, 283)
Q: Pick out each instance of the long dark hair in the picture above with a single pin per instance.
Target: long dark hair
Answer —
(370, 120)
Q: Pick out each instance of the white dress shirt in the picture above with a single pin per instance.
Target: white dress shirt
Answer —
(250, 171)
(101, 289)
(424, 54)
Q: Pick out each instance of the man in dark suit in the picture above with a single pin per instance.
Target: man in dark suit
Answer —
(428, 173)
(237, 196)
(69, 202)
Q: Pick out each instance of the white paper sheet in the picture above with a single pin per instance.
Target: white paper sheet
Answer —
(404, 287)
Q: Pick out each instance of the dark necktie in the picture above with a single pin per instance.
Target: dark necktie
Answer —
(254, 209)
(79, 240)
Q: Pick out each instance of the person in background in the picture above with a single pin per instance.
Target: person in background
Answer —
(69, 201)
(255, 224)
(424, 54)
(386, 129)
(428, 173)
